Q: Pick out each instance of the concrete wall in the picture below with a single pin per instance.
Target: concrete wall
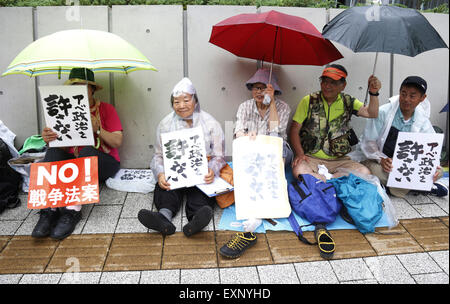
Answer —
(176, 42)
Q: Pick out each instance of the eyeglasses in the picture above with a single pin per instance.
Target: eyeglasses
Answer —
(261, 88)
(329, 81)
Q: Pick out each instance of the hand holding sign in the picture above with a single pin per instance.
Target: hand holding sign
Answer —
(63, 183)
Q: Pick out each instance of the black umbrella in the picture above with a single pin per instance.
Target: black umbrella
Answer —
(387, 29)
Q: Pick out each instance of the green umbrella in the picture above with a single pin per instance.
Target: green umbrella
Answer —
(61, 51)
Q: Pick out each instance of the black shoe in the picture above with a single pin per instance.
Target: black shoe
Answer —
(238, 244)
(200, 220)
(47, 220)
(66, 224)
(156, 221)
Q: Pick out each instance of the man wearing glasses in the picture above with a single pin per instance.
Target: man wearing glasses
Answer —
(320, 132)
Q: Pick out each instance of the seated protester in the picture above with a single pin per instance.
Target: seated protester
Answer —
(256, 117)
(107, 130)
(407, 112)
(199, 207)
(320, 125)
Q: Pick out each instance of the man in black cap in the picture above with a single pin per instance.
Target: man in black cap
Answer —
(407, 112)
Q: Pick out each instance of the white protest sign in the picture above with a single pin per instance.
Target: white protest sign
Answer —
(66, 112)
(184, 154)
(415, 160)
(260, 186)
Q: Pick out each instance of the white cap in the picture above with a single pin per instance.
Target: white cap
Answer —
(183, 86)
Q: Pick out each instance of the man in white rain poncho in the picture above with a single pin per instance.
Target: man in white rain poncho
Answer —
(199, 207)
(407, 112)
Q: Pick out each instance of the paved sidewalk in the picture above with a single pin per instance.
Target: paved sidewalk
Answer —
(418, 255)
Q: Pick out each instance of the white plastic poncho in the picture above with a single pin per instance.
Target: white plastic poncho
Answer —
(212, 131)
(377, 129)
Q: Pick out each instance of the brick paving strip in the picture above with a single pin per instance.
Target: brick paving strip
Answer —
(151, 251)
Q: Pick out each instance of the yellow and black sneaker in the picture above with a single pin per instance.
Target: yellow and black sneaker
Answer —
(238, 244)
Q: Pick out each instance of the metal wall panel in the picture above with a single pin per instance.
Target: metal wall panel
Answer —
(17, 92)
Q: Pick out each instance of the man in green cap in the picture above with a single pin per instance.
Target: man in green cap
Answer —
(107, 128)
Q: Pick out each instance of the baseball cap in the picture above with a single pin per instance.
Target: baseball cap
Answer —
(334, 73)
(419, 82)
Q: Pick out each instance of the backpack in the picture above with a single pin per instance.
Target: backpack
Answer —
(362, 200)
(313, 200)
(10, 180)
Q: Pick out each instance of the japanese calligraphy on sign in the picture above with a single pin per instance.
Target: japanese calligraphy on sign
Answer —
(66, 111)
(184, 154)
(260, 184)
(63, 183)
(415, 160)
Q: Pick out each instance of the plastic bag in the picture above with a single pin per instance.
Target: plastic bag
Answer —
(132, 180)
(388, 208)
(22, 165)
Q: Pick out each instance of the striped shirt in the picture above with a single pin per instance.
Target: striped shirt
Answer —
(248, 119)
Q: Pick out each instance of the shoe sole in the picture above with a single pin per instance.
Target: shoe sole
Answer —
(153, 221)
(237, 255)
(200, 220)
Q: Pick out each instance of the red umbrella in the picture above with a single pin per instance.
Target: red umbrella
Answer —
(274, 37)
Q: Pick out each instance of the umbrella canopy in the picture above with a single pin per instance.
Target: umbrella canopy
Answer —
(61, 51)
(274, 37)
(388, 29)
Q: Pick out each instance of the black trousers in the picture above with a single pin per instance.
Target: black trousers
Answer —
(107, 165)
(173, 199)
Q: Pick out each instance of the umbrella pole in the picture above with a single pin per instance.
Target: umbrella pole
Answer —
(373, 73)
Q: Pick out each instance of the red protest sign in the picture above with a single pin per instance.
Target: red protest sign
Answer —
(63, 183)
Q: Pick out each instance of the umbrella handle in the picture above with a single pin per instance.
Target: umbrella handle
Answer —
(373, 73)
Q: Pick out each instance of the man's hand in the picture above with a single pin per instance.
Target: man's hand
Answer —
(298, 159)
(386, 164)
(48, 135)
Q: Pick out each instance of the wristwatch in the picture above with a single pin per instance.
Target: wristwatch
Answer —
(374, 94)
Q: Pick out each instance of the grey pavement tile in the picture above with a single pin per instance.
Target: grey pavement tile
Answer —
(9, 227)
(199, 276)
(19, 213)
(441, 257)
(217, 216)
(45, 278)
(319, 272)
(120, 277)
(429, 210)
(160, 277)
(418, 263)
(417, 199)
(239, 275)
(442, 202)
(111, 197)
(28, 224)
(135, 202)
(103, 219)
(389, 270)
(351, 269)
(431, 278)
(10, 278)
(80, 278)
(403, 209)
(278, 274)
(130, 225)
